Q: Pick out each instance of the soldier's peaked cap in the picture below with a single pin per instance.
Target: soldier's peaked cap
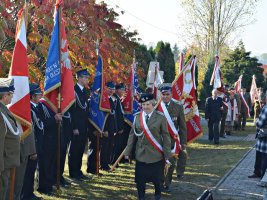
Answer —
(35, 89)
(110, 85)
(7, 85)
(82, 72)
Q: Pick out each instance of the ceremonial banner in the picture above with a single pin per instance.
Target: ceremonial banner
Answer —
(253, 90)
(216, 78)
(20, 104)
(96, 116)
(129, 118)
(184, 92)
(58, 72)
(127, 102)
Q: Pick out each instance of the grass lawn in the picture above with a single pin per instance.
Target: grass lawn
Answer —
(207, 164)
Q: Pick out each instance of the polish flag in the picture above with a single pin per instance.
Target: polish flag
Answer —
(20, 104)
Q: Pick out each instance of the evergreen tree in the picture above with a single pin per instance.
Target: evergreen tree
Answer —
(239, 63)
(166, 61)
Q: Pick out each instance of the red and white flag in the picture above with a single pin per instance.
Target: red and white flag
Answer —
(253, 89)
(238, 85)
(183, 91)
(20, 104)
(216, 78)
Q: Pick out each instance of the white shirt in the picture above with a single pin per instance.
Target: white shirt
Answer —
(34, 104)
(149, 115)
(80, 86)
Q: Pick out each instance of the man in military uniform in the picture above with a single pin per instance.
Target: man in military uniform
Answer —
(258, 103)
(80, 126)
(225, 98)
(9, 137)
(38, 133)
(153, 145)
(107, 141)
(119, 117)
(245, 108)
(238, 101)
(177, 117)
(47, 165)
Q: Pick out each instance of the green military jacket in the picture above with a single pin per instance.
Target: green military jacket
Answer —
(9, 142)
(176, 112)
(145, 151)
(238, 102)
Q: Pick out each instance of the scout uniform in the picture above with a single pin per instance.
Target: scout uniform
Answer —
(149, 160)
(9, 140)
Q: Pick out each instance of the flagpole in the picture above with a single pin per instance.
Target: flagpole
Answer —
(59, 100)
(97, 135)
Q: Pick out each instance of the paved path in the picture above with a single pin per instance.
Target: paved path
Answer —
(236, 185)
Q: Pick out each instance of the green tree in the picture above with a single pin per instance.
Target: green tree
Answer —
(143, 57)
(239, 63)
(166, 61)
(207, 88)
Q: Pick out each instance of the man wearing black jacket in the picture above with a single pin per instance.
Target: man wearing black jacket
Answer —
(79, 112)
(213, 114)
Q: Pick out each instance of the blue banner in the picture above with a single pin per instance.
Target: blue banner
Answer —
(52, 71)
(96, 116)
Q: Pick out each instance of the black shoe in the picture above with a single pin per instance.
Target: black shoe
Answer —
(63, 182)
(180, 176)
(106, 168)
(254, 176)
(32, 197)
(83, 177)
(45, 191)
(216, 143)
(166, 189)
(222, 136)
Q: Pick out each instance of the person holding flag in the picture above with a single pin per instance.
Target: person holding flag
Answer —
(245, 108)
(177, 128)
(153, 146)
(58, 98)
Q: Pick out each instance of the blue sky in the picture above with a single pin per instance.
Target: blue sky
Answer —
(157, 20)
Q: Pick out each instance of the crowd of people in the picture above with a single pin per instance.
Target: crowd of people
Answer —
(228, 111)
(157, 151)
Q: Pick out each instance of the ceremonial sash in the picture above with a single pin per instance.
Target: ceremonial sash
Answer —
(171, 128)
(245, 103)
(148, 134)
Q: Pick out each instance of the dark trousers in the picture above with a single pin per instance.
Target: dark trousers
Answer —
(91, 160)
(106, 147)
(214, 131)
(148, 172)
(222, 129)
(242, 120)
(257, 165)
(77, 146)
(263, 163)
(47, 163)
(28, 184)
(63, 152)
(117, 146)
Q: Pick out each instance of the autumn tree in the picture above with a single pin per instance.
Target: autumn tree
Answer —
(211, 23)
(86, 22)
